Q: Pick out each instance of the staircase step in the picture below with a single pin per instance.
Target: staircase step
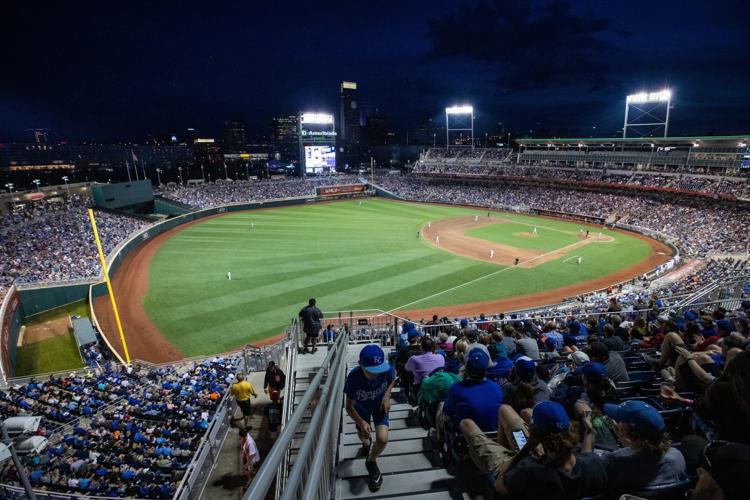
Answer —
(389, 464)
(394, 435)
(393, 448)
(400, 423)
(412, 484)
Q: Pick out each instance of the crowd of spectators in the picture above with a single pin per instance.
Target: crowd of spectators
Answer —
(53, 241)
(638, 402)
(129, 432)
(700, 227)
(225, 192)
(497, 162)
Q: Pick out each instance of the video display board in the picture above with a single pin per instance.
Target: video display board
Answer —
(319, 159)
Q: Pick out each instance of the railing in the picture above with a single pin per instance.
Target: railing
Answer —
(312, 475)
(288, 407)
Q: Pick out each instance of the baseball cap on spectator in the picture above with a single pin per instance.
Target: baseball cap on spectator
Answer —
(549, 416)
(525, 367)
(413, 333)
(640, 416)
(594, 370)
(724, 325)
(579, 357)
(626, 324)
(477, 363)
(372, 359)
(464, 323)
(663, 317)
(691, 316)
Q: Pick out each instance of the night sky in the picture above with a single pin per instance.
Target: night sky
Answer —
(110, 70)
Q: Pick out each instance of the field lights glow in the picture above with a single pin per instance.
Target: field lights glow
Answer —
(660, 96)
(459, 110)
(317, 118)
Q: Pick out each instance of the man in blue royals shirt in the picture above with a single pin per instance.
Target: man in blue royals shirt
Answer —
(368, 399)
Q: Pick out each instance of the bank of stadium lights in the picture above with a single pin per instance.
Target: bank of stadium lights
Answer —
(462, 109)
(642, 97)
(647, 103)
(317, 118)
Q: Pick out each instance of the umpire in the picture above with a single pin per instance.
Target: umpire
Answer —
(311, 317)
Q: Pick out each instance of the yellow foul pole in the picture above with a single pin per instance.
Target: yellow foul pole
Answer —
(109, 285)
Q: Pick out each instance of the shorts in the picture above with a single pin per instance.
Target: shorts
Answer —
(312, 334)
(246, 407)
(487, 454)
(379, 417)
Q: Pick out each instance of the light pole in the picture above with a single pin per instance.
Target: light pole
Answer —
(179, 174)
(38, 183)
(247, 170)
(65, 180)
(158, 177)
(226, 175)
(10, 187)
(203, 174)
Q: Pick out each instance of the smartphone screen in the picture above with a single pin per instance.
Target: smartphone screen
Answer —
(520, 439)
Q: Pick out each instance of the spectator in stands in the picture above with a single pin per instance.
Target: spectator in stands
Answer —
(274, 381)
(648, 459)
(250, 455)
(612, 341)
(425, 363)
(501, 365)
(242, 390)
(526, 346)
(368, 399)
(273, 411)
(525, 389)
(311, 317)
(616, 369)
(598, 389)
(432, 394)
(722, 469)
(727, 404)
(557, 473)
(475, 397)
(697, 370)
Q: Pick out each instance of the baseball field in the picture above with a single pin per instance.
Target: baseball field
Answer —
(177, 300)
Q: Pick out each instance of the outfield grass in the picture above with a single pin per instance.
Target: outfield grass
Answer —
(51, 355)
(545, 239)
(54, 354)
(347, 256)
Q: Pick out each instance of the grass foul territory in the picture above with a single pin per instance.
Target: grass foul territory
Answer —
(351, 256)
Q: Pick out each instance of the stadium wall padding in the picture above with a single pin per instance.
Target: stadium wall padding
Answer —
(38, 300)
(122, 194)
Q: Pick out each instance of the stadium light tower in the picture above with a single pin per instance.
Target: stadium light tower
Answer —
(652, 110)
(459, 111)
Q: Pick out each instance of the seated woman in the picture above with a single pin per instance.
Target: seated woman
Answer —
(697, 370)
(524, 389)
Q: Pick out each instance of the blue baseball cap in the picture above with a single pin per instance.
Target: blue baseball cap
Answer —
(477, 363)
(464, 323)
(724, 324)
(549, 416)
(641, 416)
(525, 367)
(691, 315)
(413, 333)
(592, 369)
(372, 358)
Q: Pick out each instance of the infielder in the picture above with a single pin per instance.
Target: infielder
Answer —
(600, 235)
(429, 225)
(534, 230)
(476, 218)
(437, 239)
(579, 260)
(492, 253)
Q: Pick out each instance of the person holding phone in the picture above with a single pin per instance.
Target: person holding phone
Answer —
(546, 466)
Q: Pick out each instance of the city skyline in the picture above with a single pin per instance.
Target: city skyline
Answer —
(92, 71)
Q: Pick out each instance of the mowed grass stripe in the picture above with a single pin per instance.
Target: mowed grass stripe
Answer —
(345, 254)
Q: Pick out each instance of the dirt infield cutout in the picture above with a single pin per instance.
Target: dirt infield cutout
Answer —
(449, 235)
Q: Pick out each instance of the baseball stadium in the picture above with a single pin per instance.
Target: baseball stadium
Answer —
(339, 306)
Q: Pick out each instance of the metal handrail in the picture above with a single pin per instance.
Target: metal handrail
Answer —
(265, 476)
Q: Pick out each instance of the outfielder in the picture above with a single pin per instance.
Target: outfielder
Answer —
(579, 260)
(534, 230)
(229, 275)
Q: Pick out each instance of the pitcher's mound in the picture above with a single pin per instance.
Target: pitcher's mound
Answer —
(525, 234)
